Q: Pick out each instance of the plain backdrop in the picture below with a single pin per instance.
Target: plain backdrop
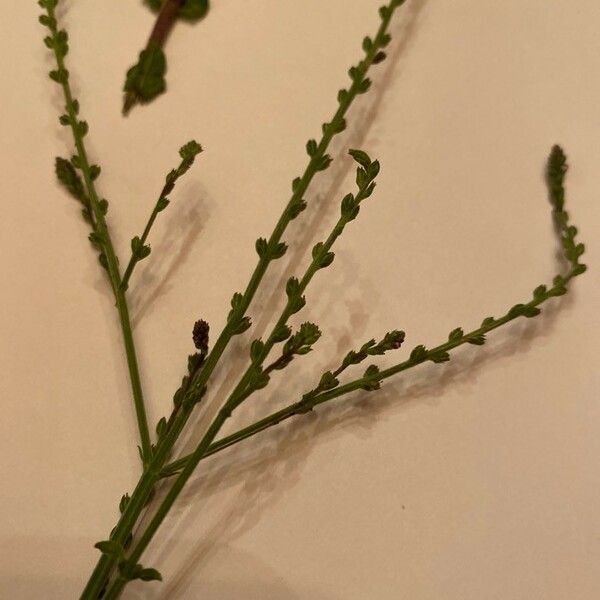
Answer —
(477, 479)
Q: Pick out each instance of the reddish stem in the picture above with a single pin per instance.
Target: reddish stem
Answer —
(160, 32)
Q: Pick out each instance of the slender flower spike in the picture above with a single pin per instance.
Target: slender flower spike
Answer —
(121, 551)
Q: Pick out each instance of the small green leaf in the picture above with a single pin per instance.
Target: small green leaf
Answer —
(364, 86)
(296, 184)
(540, 292)
(124, 501)
(328, 381)
(317, 250)
(297, 304)
(296, 208)
(161, 427)
(82, 128)
(384, 12)
(139, 249)
(323, 162)
(326, 260)
(237, 301)
(262, 247)
(338, 126)
(368, 190)
(259, 379)
(59, 75)
(281, 334)
(103, 260)
(96, 239)
(439, 357)
(352, 358)
(311, 147)
(362, 178)
(162, 204)
(47, 21)
(419, 353)
(95, 171)
(350, 207)
(476, 340)
(292, 288)
(456, 335)
(69, 178)
(531, 311)
(488, 322)
(373, 169)
(103, 206)
(371, 382)
(196, 360)
(361, 157)
(149, 575)
(146, 79)
(238, 327)
(111, 548)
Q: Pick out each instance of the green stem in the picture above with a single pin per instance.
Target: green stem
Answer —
(188, 153)
(151, 475)
(303, 406)
(572, 251)
(115, 589)
(312, 168)
(244, 387)
(373, 55)
(112, 263)
(134, 260)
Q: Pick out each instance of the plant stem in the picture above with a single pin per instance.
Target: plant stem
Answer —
(303, 182)
(115, 589)
(112, 262)
(180, 415)
(188, 153)
(151, 475)
(134, 260)
(304, 406)
(162, 27)
(242, 390)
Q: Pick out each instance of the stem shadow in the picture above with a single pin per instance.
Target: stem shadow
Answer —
(322, 204)
(171, 251)
(263, 469)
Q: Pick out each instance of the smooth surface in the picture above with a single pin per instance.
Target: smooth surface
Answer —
(474, 480)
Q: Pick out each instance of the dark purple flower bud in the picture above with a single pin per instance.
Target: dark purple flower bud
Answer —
(200, 335)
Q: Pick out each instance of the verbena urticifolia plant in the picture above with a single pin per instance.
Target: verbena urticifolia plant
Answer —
(121, 552)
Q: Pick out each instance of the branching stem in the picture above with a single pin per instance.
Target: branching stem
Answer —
(101, 228)
(302, 407)
(181, 414)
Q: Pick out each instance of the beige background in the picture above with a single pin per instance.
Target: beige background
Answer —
(473, 480)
